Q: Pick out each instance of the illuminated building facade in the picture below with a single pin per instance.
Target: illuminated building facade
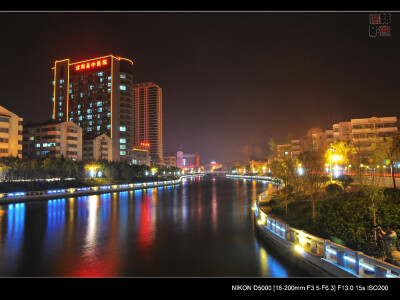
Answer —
(147, 116)
(96, 94)
(96, 147)
(361, 133)
(10, 133)
(170, 159)
(52, 139)
(141, 154)
(367, 131)
(187, 161)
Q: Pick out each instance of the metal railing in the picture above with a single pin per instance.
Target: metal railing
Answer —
(322, 250)
(353, 262)
(85, 190)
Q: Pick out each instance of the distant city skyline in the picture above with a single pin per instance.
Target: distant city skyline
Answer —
(231, 80)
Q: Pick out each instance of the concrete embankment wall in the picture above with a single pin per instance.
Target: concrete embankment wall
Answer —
(6, 198)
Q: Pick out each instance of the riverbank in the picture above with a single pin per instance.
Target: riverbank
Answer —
(57, 183)
(314, 253)
(19, 196)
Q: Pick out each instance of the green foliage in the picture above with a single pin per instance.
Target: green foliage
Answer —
(13, 168)
(347, 220)
(333, 189)
(346, 181)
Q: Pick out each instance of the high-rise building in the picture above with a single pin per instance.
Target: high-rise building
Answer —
(10, 133)
(147, 116)
(52, 139)
(96, 94)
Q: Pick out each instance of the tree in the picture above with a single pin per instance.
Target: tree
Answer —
(340, 153)
(313, 178)
(285, 169)
(390, 152)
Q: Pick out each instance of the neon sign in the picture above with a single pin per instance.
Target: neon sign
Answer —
(91, 64)
(144, 144)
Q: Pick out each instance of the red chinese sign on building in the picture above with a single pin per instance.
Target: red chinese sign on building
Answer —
(91, 64)
(143, 144)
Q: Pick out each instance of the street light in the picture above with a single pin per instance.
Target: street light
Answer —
(300, 170)
(334, 158)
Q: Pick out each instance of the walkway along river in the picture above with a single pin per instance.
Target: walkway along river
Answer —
(202, 227)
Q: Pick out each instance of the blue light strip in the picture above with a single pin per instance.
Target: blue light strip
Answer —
(367, 266)
(352, 260)
(331, 251)
(60, 191)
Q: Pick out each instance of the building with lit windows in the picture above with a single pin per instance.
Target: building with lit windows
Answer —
(96, 147)
(147, 116)
(170, 159)
(141, 154)
(10, 133)
(52, 139)
(367, 131)
(96, 94)
(361, 133)
(187, 161)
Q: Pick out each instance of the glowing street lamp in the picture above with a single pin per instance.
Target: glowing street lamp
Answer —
(92, 170)
(335, 158)
(300, 170)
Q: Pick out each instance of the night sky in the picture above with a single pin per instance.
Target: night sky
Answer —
(231, 81)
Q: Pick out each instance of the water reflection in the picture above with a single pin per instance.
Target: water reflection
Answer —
(203, 227)
(214, 205)
(14, 234)
(54, 237)
(90, 238)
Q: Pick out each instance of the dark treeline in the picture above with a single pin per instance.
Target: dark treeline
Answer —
(36, 171)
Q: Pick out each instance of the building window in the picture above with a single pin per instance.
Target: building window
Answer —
(122, 141)
(122, 87)
(122, 128)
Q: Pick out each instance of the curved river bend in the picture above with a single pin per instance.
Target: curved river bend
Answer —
(201, 228)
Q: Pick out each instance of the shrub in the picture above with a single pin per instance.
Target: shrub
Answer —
(333, 189)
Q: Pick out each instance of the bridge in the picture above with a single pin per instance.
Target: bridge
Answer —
(216, 173)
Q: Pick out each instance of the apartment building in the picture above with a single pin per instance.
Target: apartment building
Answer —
(10, 133)
(96, 147)
(370, 130)
(52, 139)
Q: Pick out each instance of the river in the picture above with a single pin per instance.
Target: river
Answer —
(201, 228)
